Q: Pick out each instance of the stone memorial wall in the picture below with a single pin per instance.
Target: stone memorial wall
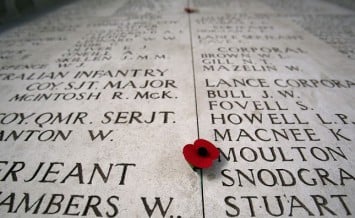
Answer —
(98, 99)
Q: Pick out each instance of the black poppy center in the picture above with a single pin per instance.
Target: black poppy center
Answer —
(202, 151)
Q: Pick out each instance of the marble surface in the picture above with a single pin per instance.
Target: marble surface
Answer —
(98, 98)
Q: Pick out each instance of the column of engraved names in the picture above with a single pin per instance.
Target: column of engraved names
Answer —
(265, 111)
(91, 114)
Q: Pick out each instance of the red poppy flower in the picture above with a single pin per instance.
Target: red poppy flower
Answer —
(201, 154)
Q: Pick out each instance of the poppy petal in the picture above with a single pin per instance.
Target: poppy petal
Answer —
(214, 153)
(202, 162)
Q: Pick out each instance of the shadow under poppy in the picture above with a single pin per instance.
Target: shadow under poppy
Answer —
(214, 171)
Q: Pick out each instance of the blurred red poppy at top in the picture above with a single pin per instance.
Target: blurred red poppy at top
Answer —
(201, 154)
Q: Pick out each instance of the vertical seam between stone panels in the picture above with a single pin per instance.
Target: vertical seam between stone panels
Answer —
(196, 111)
